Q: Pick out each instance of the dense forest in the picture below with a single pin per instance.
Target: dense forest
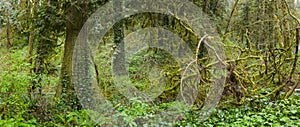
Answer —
(149, 63)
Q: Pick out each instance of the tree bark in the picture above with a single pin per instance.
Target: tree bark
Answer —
(8, 32)
(118, 30)
(76, 17)
(285, 25)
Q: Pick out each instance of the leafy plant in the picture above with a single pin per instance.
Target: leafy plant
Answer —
(278, 113)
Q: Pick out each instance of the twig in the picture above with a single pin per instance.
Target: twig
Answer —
(290, 13)
(239, 59)
(194, 61)
(197, 50)
(231, 15)
(215, 53)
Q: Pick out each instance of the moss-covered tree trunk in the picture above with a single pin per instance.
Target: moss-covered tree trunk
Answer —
(76, 16)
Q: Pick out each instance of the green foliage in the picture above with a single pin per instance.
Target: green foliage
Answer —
(78, 118)
(266, 113)
(137, 113)
(9, 13)
(15, 101)
(18, 122)
(279, 113)
(134, 110)
(14, 83)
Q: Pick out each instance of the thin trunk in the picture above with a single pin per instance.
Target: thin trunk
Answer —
(118, 29)
(8, 33)
(31, 34)
(30, 50)
(285, 23)
(231, 16)
(35, 90)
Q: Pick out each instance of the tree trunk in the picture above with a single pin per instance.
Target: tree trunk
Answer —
(118, 29)
(31, 45)
(285, 25)
(31, 34)
(8, 35)
(75, 19)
